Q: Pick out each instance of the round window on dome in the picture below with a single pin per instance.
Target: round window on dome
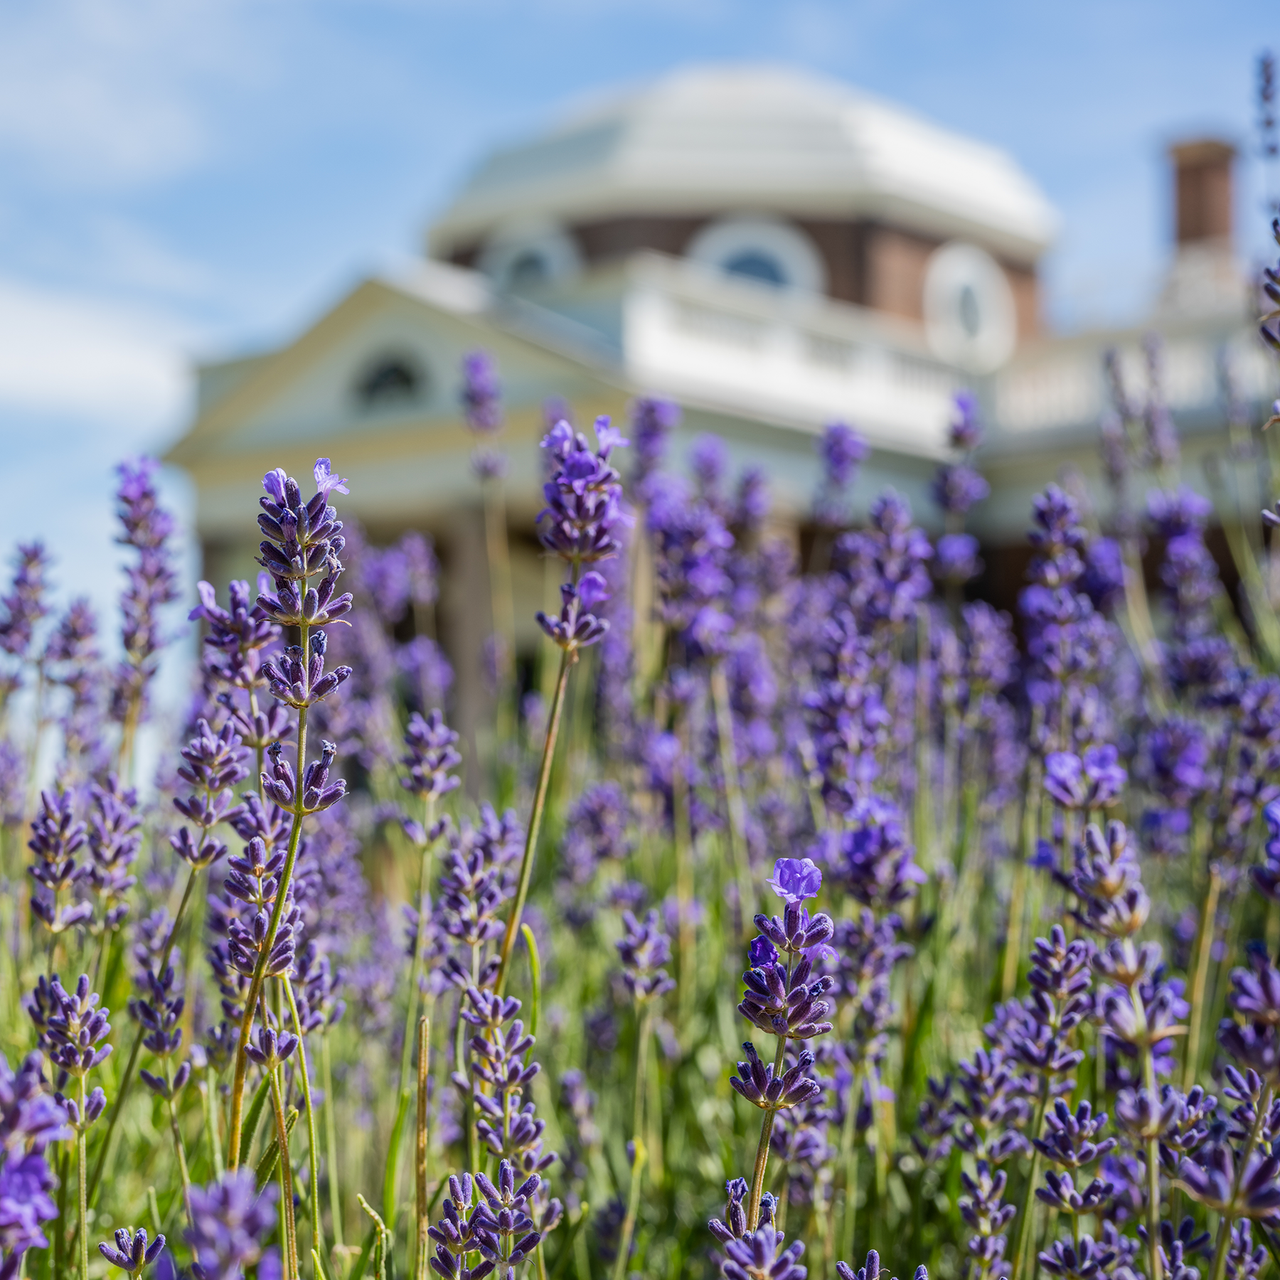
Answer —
(762, 250)
(529, 256)
(527, 270)
(755, 264)
(969, 313)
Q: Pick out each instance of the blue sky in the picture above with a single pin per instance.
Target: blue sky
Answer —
(187, 178)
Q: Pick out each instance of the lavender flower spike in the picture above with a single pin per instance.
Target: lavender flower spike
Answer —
(132, 1252)
(230, 1223)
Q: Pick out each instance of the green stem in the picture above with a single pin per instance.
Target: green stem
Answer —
(331, 1138)
(180, 1147)
(535, 821)
(81, 1170)
(766, 1129)
(211, 1123)
(638, 1147)
(1204, 949)
(1227, 1216)
(290, 1227)
(313, 1143)
(1028, 1194)
(734, 802)
(260, 969)
(682, 837)
(1017, 905)
(849, 1158)
(60, 1240)
(391, 1179)
(1153, 1142)
(421, 1203)
(126, 1080)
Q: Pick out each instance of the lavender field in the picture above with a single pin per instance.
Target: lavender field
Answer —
(800, 918)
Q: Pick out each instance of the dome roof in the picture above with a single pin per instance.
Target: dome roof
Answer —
(707, 139)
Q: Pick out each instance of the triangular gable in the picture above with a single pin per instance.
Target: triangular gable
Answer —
(305, 392)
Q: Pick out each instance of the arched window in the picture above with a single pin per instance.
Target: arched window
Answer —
(390, 379)
(755, 264)
(529, 255)
(765, 250)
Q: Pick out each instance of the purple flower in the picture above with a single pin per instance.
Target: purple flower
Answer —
(152, 583)
(25, 605)
(581, 520)
(957, 488)
(1175, 514)
(1211, 1179)
(71, 1026)
(1103, 580)
(577, 627)
(272, 1048)
(709, 460)
(966, 427)
(652, 421)
(431, 757)
(231, 1222)
(871, 856)
(842, 451)
(30, 1119)
(786, 1006)
(956, 558)
(884, 566)
(326, 480)
(757, 1082)
(691, 550)
(795, 879)
(1057, 539)
(1085, 1261)
(481, 392)
(759, 1255)
(132, 1252)
(643, 950)
(1093, 781)
(1266, 878)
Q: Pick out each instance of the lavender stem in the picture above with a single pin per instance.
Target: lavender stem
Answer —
(391, 1183)
(422, 1269)
(259, 972)
(331, 1137)
(127, 1079)
(1225, 1220)
(313, 1143)
(535, 821)
(289, 1229)
(83, 1186)
(1203, 951)
(734, 803)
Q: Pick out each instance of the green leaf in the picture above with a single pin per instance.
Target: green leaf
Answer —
(266, 1168)
(251, 1120)
(535, 977)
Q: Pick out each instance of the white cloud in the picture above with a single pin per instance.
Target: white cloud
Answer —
(96, 91)
(61, 353)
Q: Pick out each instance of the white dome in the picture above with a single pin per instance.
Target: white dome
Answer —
(714, 138)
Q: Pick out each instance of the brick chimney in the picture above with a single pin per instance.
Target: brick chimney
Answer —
(1202, 190)
(1203, 277)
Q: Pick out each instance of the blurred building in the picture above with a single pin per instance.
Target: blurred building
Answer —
(772, 249)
